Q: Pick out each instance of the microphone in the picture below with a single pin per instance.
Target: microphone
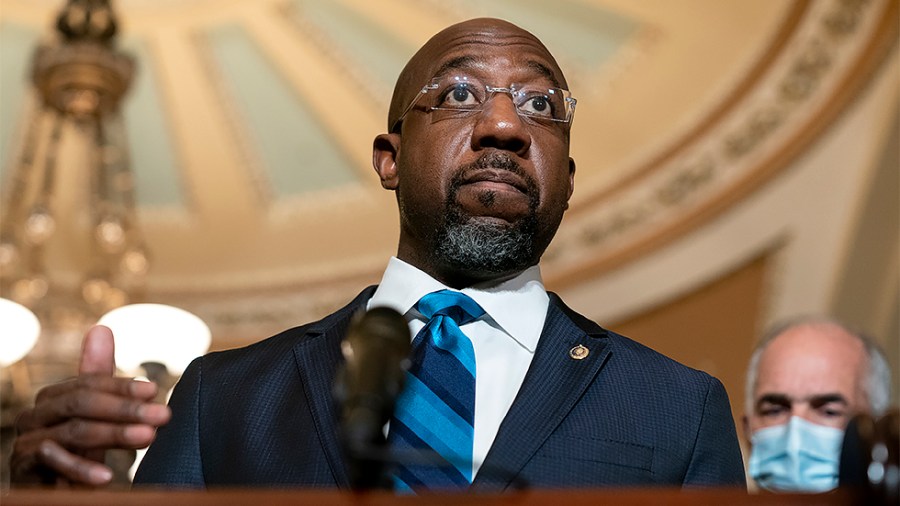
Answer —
(376, 349)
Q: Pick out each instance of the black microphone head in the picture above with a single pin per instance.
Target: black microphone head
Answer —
(377, 327)
(376, 349)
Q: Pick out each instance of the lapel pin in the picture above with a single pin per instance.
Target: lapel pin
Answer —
(579, 352)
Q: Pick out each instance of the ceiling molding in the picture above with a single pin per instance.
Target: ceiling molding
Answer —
(685, 187)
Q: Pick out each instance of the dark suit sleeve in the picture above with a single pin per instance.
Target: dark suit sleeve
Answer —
(716, 459)
(174, 457)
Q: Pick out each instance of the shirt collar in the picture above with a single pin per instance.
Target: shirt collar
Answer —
(518, 305)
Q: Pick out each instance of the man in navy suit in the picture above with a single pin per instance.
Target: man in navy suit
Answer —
(477, 153)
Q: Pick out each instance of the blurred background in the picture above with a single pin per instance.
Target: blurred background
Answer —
(738, 162)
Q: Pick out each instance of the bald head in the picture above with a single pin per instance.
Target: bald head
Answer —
(816, 369)
(454, 44)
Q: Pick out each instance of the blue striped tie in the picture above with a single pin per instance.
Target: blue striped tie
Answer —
(435, 413)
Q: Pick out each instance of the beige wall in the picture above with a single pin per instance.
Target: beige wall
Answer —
(712, 328)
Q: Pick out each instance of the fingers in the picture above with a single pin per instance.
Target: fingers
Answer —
(92, 405)
(94, 397)
(79, 435)
(125, 387)
(64, 451)
(66, 433)
(49, 461)
(98, 352)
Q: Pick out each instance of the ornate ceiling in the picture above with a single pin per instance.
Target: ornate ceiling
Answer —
(251, 124)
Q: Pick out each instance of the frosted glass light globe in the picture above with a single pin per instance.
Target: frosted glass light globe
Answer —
(19, 331)
(156, 333)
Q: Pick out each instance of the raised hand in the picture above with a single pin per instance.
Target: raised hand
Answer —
(63, 438)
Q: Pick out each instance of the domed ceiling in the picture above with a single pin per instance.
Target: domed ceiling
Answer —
(250, 125)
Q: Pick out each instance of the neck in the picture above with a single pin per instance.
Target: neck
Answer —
(454, 277)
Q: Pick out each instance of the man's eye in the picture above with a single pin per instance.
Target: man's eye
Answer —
(832, 412)
(538, 105)
(459, 96)
(771, 410)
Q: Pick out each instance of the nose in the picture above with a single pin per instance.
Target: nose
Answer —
(803, 410)
(499, 126)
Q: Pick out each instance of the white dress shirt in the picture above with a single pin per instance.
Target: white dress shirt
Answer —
(504, 338)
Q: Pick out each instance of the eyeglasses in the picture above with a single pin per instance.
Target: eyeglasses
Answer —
(461, 96)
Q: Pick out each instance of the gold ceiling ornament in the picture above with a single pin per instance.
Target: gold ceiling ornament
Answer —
(80, 79)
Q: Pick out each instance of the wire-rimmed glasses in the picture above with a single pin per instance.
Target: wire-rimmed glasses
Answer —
(460, 96)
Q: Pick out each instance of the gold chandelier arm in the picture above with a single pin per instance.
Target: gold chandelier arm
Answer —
(16, 198)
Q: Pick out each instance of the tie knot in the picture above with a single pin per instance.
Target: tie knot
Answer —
(458, 306)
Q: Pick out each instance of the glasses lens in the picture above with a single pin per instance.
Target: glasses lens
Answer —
(542, 103)
(459, 95)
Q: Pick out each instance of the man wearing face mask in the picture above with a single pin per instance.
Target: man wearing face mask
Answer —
(806, 379)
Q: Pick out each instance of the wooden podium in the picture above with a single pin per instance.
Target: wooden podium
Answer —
(268, 497)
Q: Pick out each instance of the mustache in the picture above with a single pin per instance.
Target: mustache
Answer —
(496, 160)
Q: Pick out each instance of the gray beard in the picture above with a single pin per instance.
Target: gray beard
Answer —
(477, 246)
(488, 248)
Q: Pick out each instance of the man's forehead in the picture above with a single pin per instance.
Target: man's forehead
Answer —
(798, 369)
(487, 44)
(487, 66)
(809, 364)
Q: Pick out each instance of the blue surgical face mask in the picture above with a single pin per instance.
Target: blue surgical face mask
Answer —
(799, 456)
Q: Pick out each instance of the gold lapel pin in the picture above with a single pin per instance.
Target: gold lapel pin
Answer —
(579, 352)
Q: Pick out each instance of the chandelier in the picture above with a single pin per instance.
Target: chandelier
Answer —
(80, 80)
(60, 272)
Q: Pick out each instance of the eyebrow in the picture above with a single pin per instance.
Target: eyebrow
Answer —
(470, 62)
(544, 71)
(779, 399)
(821, 400)
(460, 62)
(816, 400)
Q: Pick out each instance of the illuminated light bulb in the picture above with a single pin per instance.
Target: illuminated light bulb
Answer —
(114, 297)
(39, 225)
(110, 234)
(9, 254)
(30, 289)
(94, 290)
(135, 262)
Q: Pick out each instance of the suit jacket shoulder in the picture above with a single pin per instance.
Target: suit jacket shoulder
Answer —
(255, 415)
(599, 409)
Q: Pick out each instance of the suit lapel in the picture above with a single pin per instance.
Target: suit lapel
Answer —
(554, 383)
(318, 357)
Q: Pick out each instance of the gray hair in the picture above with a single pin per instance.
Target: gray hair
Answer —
(878, 380)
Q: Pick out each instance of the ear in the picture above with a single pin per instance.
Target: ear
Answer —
(571, 180)
(385, 151)
(746, 423)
